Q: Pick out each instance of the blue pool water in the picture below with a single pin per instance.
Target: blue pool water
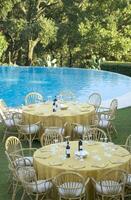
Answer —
(16, 82)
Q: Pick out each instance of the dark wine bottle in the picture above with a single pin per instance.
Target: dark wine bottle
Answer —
(56, 102)
(68, 150)
(80, 145)
(54, 107)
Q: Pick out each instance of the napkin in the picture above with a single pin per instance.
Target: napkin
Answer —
(28, 109)
(122, 154)
(90, 143)
(56, 163)
(116, 161)
(40, 113)
(44, 150)
(100, 165)
(84, 109)
(77, 166)
(43, 156)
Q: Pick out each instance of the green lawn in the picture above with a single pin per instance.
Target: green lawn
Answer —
(123, 126)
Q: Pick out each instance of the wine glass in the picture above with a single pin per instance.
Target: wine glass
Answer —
(49, 99)
(101, 139)
(56, 141)
(81, 155)
(90, 138)
(106, 140)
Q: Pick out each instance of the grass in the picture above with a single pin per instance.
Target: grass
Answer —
(123, 126)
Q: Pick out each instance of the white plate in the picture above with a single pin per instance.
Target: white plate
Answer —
(82, 153)
(63, 106)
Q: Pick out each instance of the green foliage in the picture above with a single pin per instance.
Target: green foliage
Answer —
(71, 31)
(48, 31)
(118, 67)
(3, 44)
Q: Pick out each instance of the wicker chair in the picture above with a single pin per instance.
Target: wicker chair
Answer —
(71, 185)
(33, 98)
(95, 100)
(95, 134)
(29, 131)
(17, 117)
(19, 156)
(69, 131)
(57, 123)
(128, 182)
(107, 117)
(8, 123)
(51, 136)
(128, 143)
(33, 187)
(111, 185)
(3, 104)
(15, 174)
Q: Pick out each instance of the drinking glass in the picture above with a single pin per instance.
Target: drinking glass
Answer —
(49, 99)
(55, 141)
(81, 156)
(90, 138)
(101, 139)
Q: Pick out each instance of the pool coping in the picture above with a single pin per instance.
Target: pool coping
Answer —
(123, 101)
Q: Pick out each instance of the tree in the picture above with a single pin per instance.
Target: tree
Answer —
(26, 25)
(3, 44)
(69, 30)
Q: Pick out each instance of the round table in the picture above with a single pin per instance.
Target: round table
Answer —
(75, 113)
(50, 160)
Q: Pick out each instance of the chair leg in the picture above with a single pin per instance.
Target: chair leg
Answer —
(10, 182)
(23, 195)
(37, 197)
(113, 127)
(14, 191)
(109, 135)
(122, 197)
(5, 135)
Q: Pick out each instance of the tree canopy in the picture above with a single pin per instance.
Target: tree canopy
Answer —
(70, 31)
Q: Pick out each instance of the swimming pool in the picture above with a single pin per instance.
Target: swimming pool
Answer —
(16, 82)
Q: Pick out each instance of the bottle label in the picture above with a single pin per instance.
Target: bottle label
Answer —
(67, 151)
(81, 148)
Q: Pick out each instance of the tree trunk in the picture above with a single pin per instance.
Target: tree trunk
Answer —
(70, 57)
(31, 45)
(61, 59)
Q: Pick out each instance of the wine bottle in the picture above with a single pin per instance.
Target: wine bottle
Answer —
(54, 107)
(80, 145)
(68, 150)
(56, 102)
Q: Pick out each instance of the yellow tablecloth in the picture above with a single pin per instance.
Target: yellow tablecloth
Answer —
(50, 160)
(75, 113)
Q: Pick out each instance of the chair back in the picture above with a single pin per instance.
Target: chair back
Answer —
(17, 118)
(95, 100)
(113, 182)
(33, 98)
(3, 104)
(95, 134)
(11, 164)
(113, 108)
(51, 135)
(31, 185)
(69, 184)
(2, 116)
(12, 145)
(128, 143)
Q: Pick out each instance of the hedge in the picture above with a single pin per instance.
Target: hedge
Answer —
(122, 68)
